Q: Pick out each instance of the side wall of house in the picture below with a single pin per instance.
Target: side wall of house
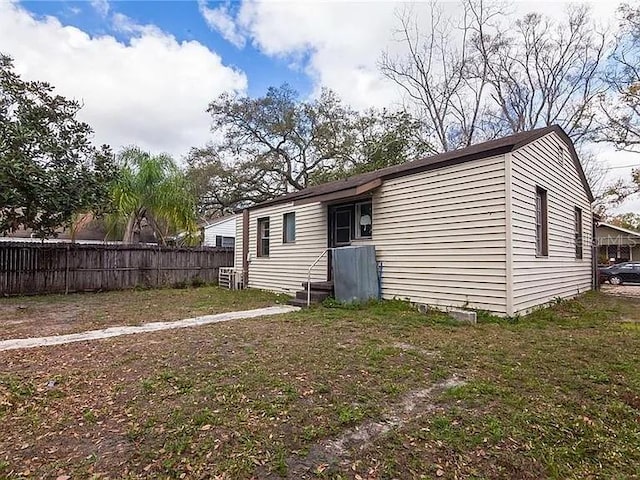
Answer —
(226, 228)
(547, 163)
(441, 236)
(287, 264)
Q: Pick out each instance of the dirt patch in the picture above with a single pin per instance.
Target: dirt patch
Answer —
(339, 451)
(407, 347)
(40, 316)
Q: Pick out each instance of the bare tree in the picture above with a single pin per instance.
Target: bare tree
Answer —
(483, 77)
(622, 107)
(440, 73)
(547, 73)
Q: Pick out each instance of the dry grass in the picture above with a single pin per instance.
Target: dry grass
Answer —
(44, 315)
(555, 394)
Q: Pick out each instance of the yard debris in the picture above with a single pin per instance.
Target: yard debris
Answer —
(338, 450)
(289, 402)
(412, 348)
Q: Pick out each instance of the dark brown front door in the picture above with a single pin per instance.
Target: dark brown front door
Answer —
(340, 231)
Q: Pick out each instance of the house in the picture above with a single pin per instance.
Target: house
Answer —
(503, 226)
(617, 244)
(86, 229)
(220, 232)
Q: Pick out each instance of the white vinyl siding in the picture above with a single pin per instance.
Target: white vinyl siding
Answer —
(224, 228)
(538, 280)
(441, 236)
(286, 267)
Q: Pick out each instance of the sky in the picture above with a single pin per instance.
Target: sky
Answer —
(145, 71)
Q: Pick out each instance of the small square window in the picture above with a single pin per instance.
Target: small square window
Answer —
(263, 237)
(364, 220)
(289, 227)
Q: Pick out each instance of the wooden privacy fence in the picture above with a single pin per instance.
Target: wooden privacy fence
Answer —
(33, 268)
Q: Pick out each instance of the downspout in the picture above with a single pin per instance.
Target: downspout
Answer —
(508, 207)
(245, 247)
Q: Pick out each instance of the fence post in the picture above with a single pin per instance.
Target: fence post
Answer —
(66, 271)
(158, 267)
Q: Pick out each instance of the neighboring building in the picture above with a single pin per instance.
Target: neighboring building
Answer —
(502, 226)
(616, 244)
(220, 232)
(88, 229)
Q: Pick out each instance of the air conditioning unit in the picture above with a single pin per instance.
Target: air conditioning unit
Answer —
(229, 277)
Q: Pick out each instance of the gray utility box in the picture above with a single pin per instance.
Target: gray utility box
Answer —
(355, 274)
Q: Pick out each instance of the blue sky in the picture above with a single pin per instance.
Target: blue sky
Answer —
(184, 21)
(145, 71)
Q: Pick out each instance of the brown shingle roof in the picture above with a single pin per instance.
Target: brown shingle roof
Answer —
(481, 150)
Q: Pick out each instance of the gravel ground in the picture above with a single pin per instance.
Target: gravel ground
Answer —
(622, 290)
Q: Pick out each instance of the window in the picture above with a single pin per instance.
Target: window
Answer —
(542, 245)
(342, 225)
(289, 228)
(364, 220)
(578, 232)
(228, 242)
(263, 237)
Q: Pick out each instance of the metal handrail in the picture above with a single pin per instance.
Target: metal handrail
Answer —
(309, 275)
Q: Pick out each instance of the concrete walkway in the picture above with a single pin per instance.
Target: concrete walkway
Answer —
(147, 327)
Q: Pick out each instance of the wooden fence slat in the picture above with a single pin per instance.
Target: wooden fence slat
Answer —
(39, 268)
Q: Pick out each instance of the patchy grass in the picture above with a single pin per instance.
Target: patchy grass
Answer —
(552, 395)
(44, 315)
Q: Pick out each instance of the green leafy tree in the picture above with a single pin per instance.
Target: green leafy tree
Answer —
(630, 221)
(277, 144)
(379, 139)
(49, 171)
(152, 190)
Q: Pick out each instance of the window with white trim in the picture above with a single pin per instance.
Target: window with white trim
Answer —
(364, 219)
(289, 227)
(578, 232)
(226, 242)
(542, 244)
(263, 237)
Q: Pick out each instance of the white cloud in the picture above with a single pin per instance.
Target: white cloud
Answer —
(340, 43)
(221, 20)
(151, 91)
(101, 6)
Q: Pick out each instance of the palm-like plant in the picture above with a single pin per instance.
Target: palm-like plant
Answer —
(152, 188)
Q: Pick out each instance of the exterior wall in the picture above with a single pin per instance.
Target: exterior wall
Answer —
(441, 236)
(537, 280)
(225, 228)
(286, 267)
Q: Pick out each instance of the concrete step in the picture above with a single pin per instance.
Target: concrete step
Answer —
(316, 296)
(319, 286)
(296, 302)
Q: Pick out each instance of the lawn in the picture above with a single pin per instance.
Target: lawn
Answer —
(375, 392)
(44, 315)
